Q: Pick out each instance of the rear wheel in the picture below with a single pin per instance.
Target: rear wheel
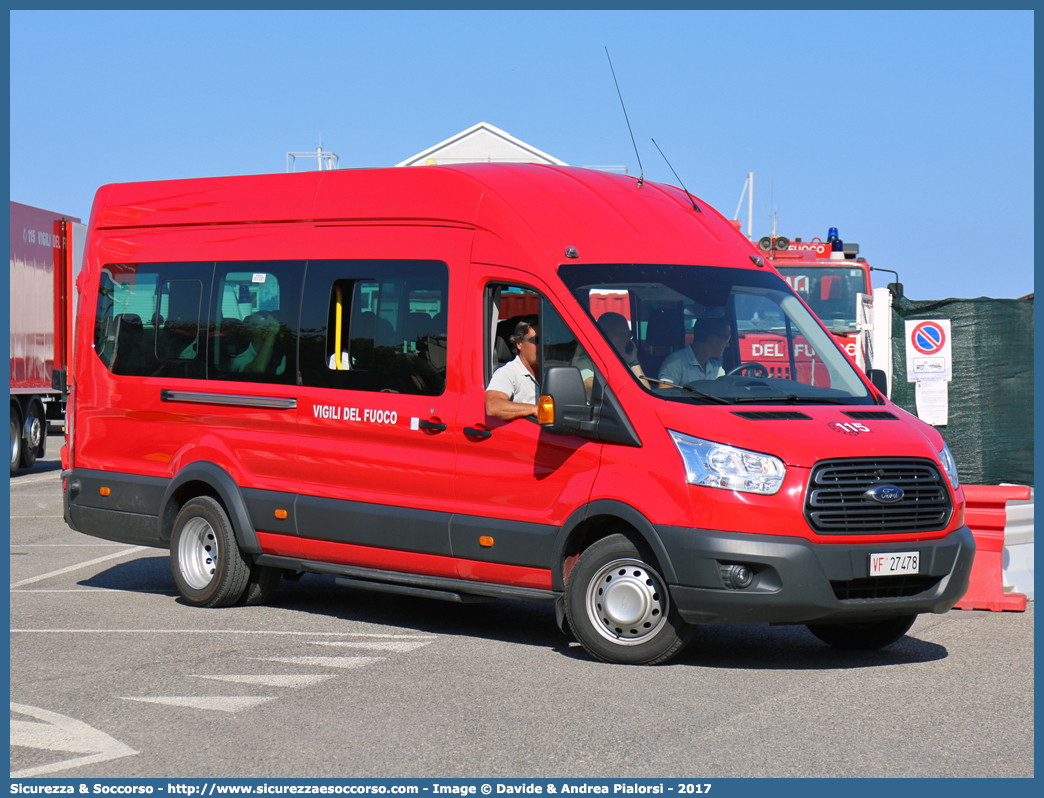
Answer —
(16, 440)
(35, 435)
(208, 567)
(618, 605)
(863, 636)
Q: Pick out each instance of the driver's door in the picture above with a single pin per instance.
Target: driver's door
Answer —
(515, 484)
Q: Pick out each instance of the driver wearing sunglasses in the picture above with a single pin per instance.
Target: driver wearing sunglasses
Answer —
(512, 392)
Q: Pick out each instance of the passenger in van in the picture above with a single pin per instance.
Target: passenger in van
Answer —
(512, 392)
(701, 360)
(618, 331)
(262, 328)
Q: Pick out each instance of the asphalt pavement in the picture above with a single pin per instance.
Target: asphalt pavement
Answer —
(113, 676)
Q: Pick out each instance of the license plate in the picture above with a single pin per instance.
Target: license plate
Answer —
(894, 563)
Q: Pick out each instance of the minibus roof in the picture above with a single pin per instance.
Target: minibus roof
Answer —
(516, 209)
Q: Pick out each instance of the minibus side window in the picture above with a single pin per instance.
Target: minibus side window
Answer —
(148, 320)
(252, 335)
(367, 333)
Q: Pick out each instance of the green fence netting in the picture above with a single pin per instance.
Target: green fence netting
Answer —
(990, 422)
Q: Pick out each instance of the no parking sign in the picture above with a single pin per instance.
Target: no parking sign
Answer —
(928, 363)
(928, 350)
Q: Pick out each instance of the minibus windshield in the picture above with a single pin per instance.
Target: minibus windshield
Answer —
(712, 334)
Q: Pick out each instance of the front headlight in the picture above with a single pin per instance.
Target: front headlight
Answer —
(949, 466)
(715, 465)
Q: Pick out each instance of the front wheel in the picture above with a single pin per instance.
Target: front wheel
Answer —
(618, 605)
(863, 636)
(208, 567)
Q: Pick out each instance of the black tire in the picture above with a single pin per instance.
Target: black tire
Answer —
(864, 636)
(619, 607)
(38, 421)
(16, 440)
(208, 567)
(261, 585)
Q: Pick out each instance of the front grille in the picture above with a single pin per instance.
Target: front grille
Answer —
(879, 587)
(837, 504)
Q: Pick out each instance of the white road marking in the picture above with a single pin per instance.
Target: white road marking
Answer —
(78, 566)
(383, 645)
(400, 637)
(275, 680)
(62, 733)
(219, 703)
(326, 662)
(196, 632)
(167, 592)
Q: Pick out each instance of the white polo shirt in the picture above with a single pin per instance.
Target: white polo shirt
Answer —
(515, 380)
(681, 367)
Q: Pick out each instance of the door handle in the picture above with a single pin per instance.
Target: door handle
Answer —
(478, 433)
(431, 425)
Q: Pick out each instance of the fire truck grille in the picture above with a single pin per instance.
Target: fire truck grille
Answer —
(879, 587)
(838, 501)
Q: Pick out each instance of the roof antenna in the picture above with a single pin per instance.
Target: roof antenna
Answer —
(695, 207)
(628, 121)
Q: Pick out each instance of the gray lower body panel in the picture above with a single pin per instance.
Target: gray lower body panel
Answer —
(797, 581)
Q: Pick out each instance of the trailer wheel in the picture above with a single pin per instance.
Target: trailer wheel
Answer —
(865, 636)
(208, 567)
(619, 607)
(16, 439)
(261, 585)
(35, 435)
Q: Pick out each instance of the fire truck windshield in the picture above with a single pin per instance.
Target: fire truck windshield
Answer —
(732, 335)
(829, 291)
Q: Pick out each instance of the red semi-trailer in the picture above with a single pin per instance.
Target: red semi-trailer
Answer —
(46, 250)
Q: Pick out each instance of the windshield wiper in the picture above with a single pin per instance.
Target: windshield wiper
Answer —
(701, 394)
(790, 399)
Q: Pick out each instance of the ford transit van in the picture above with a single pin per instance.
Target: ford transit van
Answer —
(280, 374)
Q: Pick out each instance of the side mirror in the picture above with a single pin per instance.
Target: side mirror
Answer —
(562, 407)
(879, 380)
(896, 290)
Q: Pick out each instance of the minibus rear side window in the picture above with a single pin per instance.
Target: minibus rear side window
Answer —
(375, 326)
(148, 321)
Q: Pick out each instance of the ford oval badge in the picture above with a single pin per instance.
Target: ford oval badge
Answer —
(885, 494)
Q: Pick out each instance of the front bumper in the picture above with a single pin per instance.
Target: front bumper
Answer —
(798, 581)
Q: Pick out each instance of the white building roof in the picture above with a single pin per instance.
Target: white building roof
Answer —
(479, 144)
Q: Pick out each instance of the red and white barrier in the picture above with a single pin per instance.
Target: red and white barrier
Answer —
(984, 514)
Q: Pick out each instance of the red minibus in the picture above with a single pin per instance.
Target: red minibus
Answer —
(278, 374)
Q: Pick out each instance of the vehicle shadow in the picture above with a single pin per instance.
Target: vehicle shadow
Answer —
(727, 646)
(141, 575)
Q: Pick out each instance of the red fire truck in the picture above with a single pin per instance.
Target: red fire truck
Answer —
(828, 276)
(46, 250)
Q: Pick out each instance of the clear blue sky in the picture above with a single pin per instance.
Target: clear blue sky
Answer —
(912, 132)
